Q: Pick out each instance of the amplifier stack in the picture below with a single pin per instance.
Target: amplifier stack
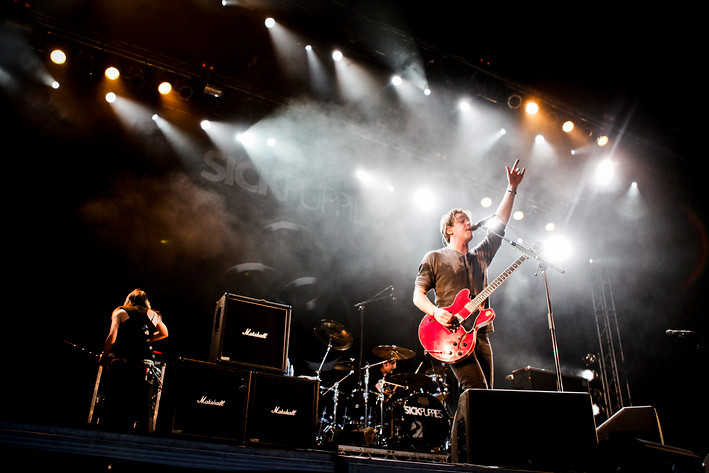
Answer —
(242, 394)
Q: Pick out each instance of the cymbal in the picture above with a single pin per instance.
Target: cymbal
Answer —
(345, 365)
(329, 331)
(410, 380)
(392, 352)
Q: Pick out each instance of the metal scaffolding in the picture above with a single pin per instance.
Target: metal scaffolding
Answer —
(611, 361)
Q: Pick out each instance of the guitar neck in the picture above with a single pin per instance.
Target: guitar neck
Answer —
(485, 293)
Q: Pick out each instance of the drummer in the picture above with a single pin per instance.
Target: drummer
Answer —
(385, 369)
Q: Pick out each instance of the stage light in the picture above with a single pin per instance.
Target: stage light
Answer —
(426, 91)
(464, 105)
(110, 97)
(308, 47)
(602, 140)
(550, 227)
(112, 73)
(605, 171)
(557, 248)
(396, 81)
(363, 176)
(531, 108)
(55, 85)
(568, 126)
(271, 142)
(164, 88)
(213, 90)
(205, 124)
(486, 202)
(514, 101)
(184, 91)
(136, 77)
(336, 55)
(518, 215)
(245, 138)
(423, 199)
(57, 56)
(270, 22)
(539, 139)
(503, 131)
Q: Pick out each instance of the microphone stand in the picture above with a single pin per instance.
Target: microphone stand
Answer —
(383, 294)
(543, 265)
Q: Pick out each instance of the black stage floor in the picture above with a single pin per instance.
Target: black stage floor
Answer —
(32, 447)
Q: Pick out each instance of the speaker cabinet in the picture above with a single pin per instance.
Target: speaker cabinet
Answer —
(282, 411)
(518, 428)
(207, 399)
(544, 380)
(639, 422)
(250, 332)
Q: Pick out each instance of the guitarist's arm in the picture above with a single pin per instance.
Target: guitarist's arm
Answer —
(514, 178)
(422, 301)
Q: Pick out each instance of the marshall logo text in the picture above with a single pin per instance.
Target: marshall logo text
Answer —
(250, 333)
(284, 412)
(211, 402)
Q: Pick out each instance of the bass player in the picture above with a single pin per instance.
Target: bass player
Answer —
(455, 267)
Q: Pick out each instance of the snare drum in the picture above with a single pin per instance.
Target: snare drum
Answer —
(419, 421)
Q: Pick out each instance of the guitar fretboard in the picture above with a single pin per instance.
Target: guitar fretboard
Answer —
(485, 293)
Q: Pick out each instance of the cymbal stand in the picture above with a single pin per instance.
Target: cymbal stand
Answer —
(386, 293)
(327, 352)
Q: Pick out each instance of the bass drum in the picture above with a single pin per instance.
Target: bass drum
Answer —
(419, 422)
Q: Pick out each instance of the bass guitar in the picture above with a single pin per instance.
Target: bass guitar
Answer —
(457, 342)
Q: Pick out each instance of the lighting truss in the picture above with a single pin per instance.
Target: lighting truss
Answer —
(616, 390)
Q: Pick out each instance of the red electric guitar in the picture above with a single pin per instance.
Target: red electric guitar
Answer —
(455, 343)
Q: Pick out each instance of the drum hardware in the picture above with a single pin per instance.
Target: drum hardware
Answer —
(393, 352)
(411, 381)
(334, 335)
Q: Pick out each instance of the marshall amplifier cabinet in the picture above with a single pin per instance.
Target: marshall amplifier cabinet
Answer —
(207, 399)
(251, 332)
(282, 411)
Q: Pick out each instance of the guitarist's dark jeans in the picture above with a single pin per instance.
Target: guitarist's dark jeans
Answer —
(476, 371)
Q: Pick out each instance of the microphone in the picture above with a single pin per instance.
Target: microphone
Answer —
(480, 223)
(678, 333)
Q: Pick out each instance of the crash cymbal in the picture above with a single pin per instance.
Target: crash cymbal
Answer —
(345, 365)
(410, 380)
(329, 331)
(392, 352)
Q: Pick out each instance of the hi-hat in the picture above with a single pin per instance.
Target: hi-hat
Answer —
(331, 332)
(392, 352)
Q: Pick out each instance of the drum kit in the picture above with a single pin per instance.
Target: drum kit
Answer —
(404, 410)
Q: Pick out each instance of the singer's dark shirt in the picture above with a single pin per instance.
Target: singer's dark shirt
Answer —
(447, 271)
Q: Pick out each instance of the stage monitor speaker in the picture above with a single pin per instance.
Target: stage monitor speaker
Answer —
(639, 422)
(519, 428)
(282, 411)
(538, 379)
(207, 400)
(250, 332)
